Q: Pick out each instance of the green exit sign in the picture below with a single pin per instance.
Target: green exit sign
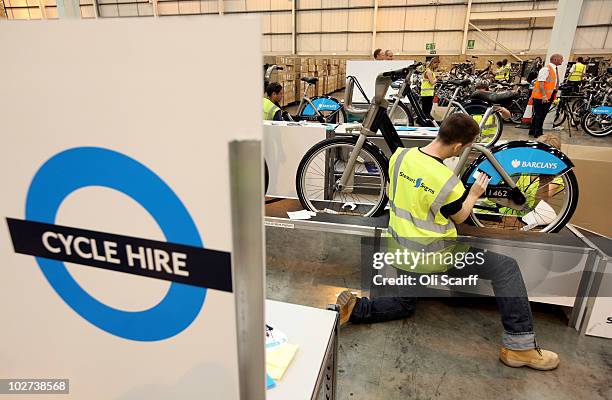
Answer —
(430, 46)
(470, 44)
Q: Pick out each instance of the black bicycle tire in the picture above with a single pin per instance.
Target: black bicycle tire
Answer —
(370, 148)
(560, 112)
(569, 212)
(499, 119)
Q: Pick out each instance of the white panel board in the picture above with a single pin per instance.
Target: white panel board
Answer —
(140, 148)
(366, 71)
(284, 146)
(600, 320)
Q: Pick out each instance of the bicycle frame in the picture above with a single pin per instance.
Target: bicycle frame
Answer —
(306, 99)
(377, 119)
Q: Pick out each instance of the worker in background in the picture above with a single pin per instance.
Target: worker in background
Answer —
(576, 73)
(271, 108)
(388, 55)
(506, 67)
(427, 200)
(490, 127)
(379, 54)
(427, 86)
(500, 72)
(544, 93)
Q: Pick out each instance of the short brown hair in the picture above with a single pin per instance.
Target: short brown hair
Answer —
(458, 128)
(377, 52)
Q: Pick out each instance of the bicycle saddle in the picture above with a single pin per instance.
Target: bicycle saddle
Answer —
(495, 98)
(460, 82)
(310, 80)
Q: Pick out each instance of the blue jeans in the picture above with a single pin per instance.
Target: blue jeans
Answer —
(508, 286)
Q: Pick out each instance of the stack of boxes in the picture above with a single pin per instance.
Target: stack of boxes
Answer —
(330, 71)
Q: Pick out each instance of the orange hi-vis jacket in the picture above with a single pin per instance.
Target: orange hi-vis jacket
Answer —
(549, 85)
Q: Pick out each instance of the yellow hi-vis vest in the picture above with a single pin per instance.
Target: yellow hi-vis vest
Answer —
(500, 74)
(490, 126)
(507, 71)
(419, 186)
(576, 76)
(269, 109)
(427, 89)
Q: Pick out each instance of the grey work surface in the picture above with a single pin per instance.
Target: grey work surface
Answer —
(447, 350)
(311, 330)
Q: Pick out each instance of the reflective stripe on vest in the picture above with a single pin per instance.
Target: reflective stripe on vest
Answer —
(427, 89)
(269, 109)
(548, 85)
(576, 76)
(406, 219)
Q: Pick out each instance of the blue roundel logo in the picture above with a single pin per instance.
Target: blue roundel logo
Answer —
(82, 167)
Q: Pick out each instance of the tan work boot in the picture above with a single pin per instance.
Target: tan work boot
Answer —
(346, 301)
(537, 358)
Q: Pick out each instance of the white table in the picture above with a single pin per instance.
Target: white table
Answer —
(315, 332)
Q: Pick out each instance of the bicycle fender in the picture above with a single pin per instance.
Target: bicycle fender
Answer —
(322, 103)
(520, 157)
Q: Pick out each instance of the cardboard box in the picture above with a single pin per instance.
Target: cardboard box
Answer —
(592, 169)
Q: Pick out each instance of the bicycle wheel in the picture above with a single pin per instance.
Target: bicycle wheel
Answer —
(516, 112)
(402, 116)
(560, 116)
(322, 167)
(493, 128)
(578, 109)
(551, 202)
(597, 125)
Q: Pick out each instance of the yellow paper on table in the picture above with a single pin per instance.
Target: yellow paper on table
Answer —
(278, 359)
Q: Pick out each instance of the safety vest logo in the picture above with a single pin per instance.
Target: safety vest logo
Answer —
(181, 259)
(418, 183)
(533, 164)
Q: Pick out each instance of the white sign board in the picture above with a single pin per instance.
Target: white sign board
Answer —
(285, 144)
(114, 136)
(600, 320)
(366, 72)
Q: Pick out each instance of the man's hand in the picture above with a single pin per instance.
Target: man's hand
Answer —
(480, 185)
(544, 100)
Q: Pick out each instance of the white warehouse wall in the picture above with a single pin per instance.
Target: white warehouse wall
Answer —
(358, 26)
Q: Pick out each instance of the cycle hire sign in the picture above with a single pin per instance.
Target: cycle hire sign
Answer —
(115, 230)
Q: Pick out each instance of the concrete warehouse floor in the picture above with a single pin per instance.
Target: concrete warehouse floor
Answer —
(447, 350)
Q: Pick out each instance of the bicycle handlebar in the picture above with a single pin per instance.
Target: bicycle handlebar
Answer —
(402, 72)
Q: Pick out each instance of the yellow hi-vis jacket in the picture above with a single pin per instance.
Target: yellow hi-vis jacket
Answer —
(576, 75)
(419, 186)
(269, 109)
(427, 89)
(489, 128)
(500, 74)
